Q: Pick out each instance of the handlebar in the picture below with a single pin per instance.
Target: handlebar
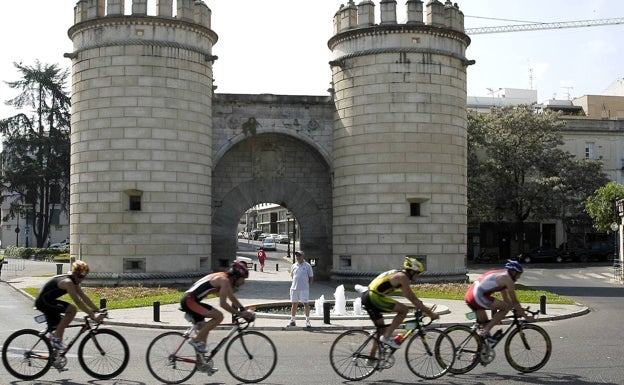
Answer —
(419, 318)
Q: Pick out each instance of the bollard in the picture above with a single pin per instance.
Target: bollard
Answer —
(255, 267)
(59, 268)
(102, 303)
(542, 304)
(156, 311)
(277, 267)
(326, 307)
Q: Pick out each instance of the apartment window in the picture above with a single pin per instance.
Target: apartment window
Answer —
(55, 217)
(589, 150)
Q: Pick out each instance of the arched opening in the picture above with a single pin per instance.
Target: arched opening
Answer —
(279, 169)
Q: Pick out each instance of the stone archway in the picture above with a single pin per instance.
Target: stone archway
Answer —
(278, 169)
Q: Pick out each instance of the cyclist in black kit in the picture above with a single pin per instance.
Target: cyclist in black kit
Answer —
(48, 303)
(219, 284)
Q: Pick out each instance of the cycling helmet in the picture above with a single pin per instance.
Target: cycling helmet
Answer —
(80, 268)
(514, 265)
(239, 269)
(411, 263)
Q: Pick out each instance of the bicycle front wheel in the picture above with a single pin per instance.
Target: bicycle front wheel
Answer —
(170, 359)
(430, 355)
(467, 347)
(250, 357)
(528, 348)
(103, 354)
(26, 355)
(353, 355)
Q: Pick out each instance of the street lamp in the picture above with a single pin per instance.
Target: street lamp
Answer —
(288, 215)
(615, 228)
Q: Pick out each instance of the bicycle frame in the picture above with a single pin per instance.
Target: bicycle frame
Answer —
(237, 328)
(516, 323)
(84, 327)
(411, 325)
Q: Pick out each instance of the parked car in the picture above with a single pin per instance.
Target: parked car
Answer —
(63, 243)
(262, 236)
(601, 251)
(282, 238)
(269, 243)
(543, 253)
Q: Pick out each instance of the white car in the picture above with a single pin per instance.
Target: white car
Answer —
(63, 243)
(269, 243)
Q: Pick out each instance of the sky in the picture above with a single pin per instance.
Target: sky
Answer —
(280, 46)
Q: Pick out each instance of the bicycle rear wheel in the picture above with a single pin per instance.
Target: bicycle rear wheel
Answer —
(250, 356)
(170, 359)
(354, 355)
(430, 355)
(26, 355)
(467, 347)
(528, 348)
(103, 354)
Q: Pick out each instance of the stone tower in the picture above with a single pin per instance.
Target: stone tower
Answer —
(141, 141)
(400, 140)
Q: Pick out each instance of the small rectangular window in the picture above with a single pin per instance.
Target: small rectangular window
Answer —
(134, 265)
(415, 209)
(135, 203)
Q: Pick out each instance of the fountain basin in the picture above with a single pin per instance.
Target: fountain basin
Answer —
(281, 310)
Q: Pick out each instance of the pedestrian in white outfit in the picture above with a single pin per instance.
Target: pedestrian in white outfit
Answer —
(302, 277)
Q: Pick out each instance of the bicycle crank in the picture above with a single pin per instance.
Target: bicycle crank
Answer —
(59, 363)
(487, 354)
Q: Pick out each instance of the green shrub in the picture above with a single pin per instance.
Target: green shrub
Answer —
(37, 254)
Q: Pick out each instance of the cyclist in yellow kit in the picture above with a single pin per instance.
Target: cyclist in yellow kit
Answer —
(377, 300)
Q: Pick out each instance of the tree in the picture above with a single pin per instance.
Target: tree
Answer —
(601, 206)
(36, 151)
(517, 170)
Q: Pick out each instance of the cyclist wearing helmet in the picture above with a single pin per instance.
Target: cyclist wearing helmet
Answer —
(216, 284)
(48, 303)
(479, 296)
(377, 298)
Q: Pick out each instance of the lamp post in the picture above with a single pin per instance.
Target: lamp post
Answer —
(288, 215)
(615, 228)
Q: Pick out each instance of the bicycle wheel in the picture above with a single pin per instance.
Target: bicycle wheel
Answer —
(170, 359)
(467, 347)
(103, 354)
(528, 349)
(26, 355)
(430, 355)
(354, 355)
(250, 356)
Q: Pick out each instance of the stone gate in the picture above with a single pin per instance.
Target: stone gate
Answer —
(163, 168)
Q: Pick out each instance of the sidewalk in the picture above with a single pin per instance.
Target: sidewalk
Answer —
(268, 287)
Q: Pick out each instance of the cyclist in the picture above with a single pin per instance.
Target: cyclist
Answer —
(48, 303)
(221, 284)
(377, 301)
(479, 297)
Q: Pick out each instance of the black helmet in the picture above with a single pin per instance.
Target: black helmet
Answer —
(239, 269)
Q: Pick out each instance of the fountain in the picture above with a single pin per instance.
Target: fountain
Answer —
(357, 306)
(340, 307)
(318, 305)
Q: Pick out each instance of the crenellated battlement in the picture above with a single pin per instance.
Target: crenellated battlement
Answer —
(362, 15)
(195, 11)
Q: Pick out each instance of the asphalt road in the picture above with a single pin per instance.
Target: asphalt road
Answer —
(586, 350)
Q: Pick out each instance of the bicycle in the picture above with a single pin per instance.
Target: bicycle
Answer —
(429, 353)
(250, 356)
(527, 347)
(103, 353)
